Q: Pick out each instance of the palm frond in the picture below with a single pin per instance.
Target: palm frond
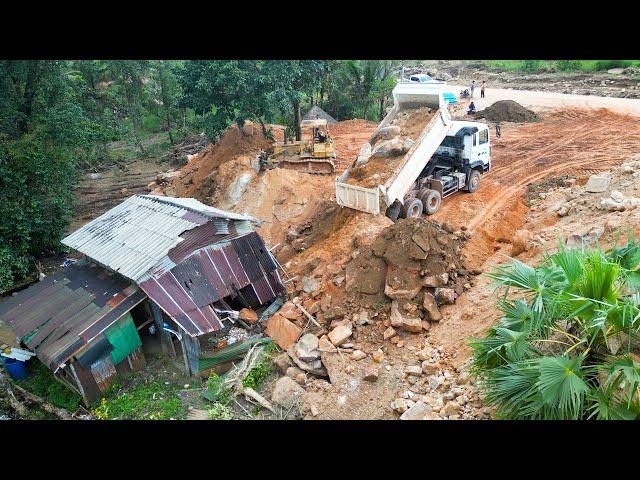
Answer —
(562, 386)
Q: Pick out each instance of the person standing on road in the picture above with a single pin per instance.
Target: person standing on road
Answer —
(472, 87)
(497, 130)
(484, 84)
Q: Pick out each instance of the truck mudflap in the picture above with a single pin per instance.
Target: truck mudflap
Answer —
(356, 197)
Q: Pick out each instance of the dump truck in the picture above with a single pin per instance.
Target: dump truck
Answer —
(313, 153)
(448, 156)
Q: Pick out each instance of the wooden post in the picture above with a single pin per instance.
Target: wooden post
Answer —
(165, 337)
(79, 383)
(191, 350)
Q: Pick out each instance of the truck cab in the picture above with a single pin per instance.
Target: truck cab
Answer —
(457, 164)
(468, 142)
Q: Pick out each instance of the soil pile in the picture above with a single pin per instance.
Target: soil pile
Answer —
(237, 145)
(406, 257)
(507, 111)
(389, 153)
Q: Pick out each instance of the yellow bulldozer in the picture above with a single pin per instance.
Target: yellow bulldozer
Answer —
(314, 153)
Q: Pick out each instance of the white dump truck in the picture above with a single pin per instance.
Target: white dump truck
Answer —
(447, 156)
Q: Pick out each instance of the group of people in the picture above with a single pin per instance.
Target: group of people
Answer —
(472, 106)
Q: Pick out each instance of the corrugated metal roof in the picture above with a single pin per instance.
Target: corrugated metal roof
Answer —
(134, 236)
(59, 316)
(238, 266)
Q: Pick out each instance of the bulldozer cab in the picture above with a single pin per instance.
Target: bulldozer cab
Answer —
(314, 130)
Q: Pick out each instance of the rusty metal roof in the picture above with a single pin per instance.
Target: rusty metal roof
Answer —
(59, 316)
(240, 267)
(136, 235)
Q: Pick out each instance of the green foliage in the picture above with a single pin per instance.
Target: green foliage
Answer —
(220, 411)
(152, 401)
(567, 344)
(533, 66)
(42, 383)
(215, 392)
(257, 374)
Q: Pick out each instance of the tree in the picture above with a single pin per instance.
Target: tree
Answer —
(567, 345)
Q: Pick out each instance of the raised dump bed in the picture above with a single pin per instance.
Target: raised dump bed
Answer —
(398, 175)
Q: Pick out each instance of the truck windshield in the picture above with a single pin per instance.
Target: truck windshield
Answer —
(448, 142)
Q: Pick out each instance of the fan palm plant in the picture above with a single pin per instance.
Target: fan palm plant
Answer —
(567, 342)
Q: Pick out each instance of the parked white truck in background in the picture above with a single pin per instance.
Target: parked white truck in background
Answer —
(446, 157)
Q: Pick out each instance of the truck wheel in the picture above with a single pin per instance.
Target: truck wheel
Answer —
(474, 181)
(431, 200)
(393, 212)
(412, 208)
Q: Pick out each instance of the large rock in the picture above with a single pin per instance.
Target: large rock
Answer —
(401, 284)
(364, 154)
(388, 149)
(446, 296)
(340, 334)
(307, 348)
(520, 242)
(315, 367)
(431, 307)
(290, 311)
(238, 187)
(310, 284)
(598, 183)
(248, 315)
(581, 240)
(385, 133)
(282, 331)
(412, 324)
(419, 411)
(370, 373)
(433, 281)
(287, 392)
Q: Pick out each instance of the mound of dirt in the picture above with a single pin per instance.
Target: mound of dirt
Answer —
(198, 177)
(404, 258)
(507, 111)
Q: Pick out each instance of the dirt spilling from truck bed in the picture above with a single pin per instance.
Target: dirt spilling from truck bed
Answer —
(507, 111)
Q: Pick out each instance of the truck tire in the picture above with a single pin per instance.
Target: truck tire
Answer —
(431, 200)
(393, 212)
(412, 208)
(474, 181)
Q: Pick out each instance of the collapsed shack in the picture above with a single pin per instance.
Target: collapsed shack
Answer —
(159, 274)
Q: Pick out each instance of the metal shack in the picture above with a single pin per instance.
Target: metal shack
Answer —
(173, 263)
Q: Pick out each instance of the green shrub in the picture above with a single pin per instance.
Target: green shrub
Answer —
(152, 401)
(42, 383)
(566, 345)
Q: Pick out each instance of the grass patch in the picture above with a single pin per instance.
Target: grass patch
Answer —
(152, 401)
(42, 383)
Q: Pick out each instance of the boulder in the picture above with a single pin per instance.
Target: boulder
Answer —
(315, 367)
(401, 405)
(358, 355)
(431, 307)
(340, 334)
(581, 240)
(446, 296)
(248, 315)
(401, 284)
(385, 133)
(419, 411)
(434, 281)
(282, 331)
(388, 149)
(286, 392)
(598, 183)
(412, 324)
(370, 373)
(388, 333)
(290, 311)
(520, 242)
(307, 348)
(324, 345)
(310, 284)
(414, 370)
(282, 361)
(364, 154)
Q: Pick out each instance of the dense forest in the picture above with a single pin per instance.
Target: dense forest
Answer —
(57, 119)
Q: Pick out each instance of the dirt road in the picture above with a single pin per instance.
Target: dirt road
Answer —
(573, 142)
(540, 101)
